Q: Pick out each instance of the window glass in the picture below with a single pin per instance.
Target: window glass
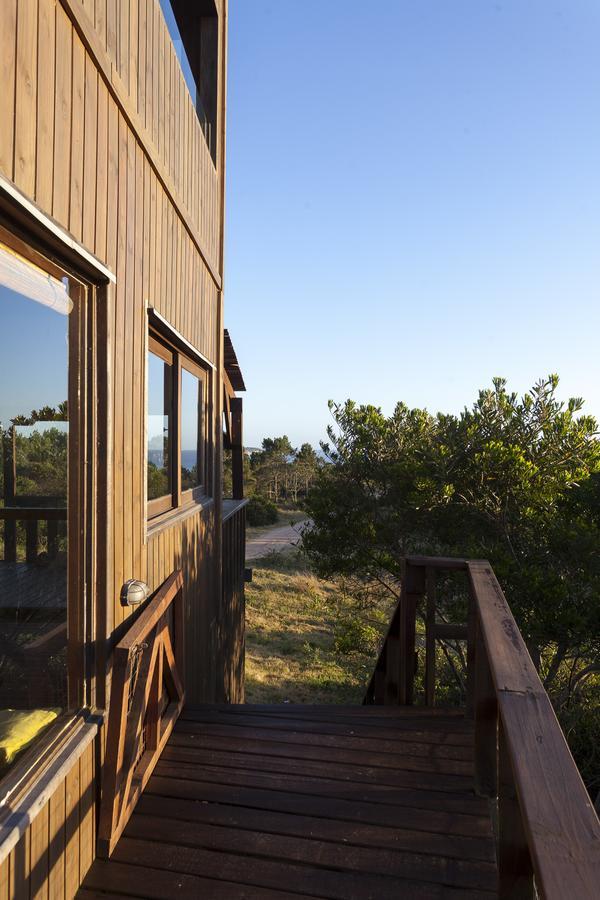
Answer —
(193, 28)
(180, 50)
(160, 388)
(34, 436)
(191, 430)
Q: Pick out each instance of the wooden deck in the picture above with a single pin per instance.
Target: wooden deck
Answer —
(305, 801)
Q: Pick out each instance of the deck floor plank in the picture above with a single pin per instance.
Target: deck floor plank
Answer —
(346, 803)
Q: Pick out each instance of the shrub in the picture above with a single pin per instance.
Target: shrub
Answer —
(261, 511)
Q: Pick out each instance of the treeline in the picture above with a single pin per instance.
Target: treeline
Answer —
(278, 472)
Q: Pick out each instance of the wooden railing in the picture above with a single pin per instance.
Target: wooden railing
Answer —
(146, 698)
(548, 834)
(31, 517)
(234, 546)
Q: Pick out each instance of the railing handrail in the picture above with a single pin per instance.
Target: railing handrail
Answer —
(548, 829)
(35, 513)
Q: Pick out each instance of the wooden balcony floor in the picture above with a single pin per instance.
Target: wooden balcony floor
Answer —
(274, 802)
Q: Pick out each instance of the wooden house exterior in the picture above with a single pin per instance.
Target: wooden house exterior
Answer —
(112, 181)
(129, 765)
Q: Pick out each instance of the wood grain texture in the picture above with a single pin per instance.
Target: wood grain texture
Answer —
(101, 147)
(8, 54)
(26, 96)
(562, 828)
(262, 829)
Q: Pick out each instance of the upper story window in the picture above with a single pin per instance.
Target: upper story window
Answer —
(194, 32)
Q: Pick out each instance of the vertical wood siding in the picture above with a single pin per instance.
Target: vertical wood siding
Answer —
(55, 852)
(103, 136)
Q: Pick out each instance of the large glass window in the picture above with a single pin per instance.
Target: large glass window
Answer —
(36, 308)
(177, 456)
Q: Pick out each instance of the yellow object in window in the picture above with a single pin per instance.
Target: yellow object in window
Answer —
(19, 727)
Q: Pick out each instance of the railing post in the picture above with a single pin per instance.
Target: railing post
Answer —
(412, 594)
(9, 471)
(31, 540)
(237, 449)
(430, 583)
(472, 647)
(515, 872)
(486, 720)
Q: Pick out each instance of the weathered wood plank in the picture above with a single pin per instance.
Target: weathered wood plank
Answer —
(509, 659)
(342, 780)
(402, 837)
(8, 54)
(26, 97)
(329, 737)
(427, 731)
(268, 873)
(311, 851)
(56, 849)
(90, 154)
(259, 745)
(120, 879)
(558, 818)
(77, 139)
(45, 102)
(363, 810)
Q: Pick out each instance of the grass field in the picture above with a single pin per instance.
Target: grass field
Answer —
(306, 640)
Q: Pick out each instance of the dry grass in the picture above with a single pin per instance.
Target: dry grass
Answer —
(306, 642)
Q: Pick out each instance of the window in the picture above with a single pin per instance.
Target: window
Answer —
(160, 426)
(177, 393)
(193, 28)
(42, 316)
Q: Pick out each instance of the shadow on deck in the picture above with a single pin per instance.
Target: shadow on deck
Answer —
(306, 801)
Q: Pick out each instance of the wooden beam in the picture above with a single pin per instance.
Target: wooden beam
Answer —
(237, 448)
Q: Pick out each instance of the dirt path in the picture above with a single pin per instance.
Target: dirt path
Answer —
(278, 538)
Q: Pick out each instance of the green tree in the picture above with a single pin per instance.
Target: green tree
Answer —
(512, 479)
(271, 467)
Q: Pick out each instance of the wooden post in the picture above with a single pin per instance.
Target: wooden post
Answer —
(237, 448)
(430, 580)
(9, 464)
(486, 721)
(412, 594)
(52, 532)
(515, 872)
(474, 644)
(31, 540)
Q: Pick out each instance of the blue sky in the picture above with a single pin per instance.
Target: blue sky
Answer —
(413, 203)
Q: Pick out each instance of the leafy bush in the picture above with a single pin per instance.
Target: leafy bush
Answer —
(261, 511)
(354, 636)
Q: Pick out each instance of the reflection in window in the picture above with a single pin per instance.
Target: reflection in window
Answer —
(34, 428)
(191, 431)
(193, 28)
(160, 382)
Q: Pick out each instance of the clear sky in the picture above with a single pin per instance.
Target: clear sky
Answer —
(413, 203)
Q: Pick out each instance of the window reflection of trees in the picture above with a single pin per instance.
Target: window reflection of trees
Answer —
(34, 449)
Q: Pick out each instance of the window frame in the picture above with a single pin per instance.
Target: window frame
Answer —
(192, 495)
(159, 505)
(179, 500)
(85, 515)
